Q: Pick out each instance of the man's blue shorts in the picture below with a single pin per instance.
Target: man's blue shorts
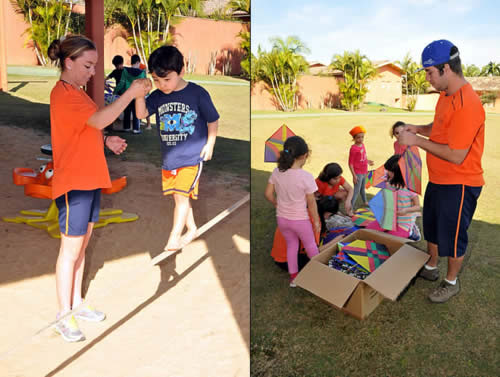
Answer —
(78, 208)
(448, 211)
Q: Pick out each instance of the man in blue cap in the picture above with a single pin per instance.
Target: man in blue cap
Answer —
(454, 143)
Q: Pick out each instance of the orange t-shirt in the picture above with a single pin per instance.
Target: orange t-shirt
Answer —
(325, 189)
(458, 122)
(77, 149)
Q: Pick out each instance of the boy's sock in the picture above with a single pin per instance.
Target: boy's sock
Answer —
(427, 267)
(452, 282)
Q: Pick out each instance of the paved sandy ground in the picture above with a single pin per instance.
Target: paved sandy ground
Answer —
(187, 317)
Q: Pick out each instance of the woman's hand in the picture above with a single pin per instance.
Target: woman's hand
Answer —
(115, 144)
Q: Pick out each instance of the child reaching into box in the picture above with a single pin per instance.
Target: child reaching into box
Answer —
(331, 183)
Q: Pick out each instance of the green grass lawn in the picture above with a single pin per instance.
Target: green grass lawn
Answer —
(294, 333)
(27, 105)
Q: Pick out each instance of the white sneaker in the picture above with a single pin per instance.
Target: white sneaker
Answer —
(69, 330)
(88, 313)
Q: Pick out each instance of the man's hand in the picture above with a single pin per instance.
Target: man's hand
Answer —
(140, 87)
(207, 152)
(410, 128)
(407, 138)
(370, 162)
(116, 144)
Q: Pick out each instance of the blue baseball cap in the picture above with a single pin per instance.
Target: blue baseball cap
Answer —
(437, 52)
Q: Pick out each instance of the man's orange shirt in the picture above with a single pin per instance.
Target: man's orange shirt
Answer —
(77, 149)
(458, 122)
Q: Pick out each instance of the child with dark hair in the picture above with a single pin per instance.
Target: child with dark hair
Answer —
(117, 72)
(291, 190)
(408, 202)
(331, 183)
(129, 75)
(327, 206)
(395, 130)
(187, 124)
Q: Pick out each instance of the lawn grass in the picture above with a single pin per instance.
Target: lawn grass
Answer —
(294, 333)
(27, 105)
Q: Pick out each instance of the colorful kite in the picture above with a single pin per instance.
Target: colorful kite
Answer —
(368, 254)
(411, 169)
(363, 216)
(376, 177)
(384, 207)
(274, 145)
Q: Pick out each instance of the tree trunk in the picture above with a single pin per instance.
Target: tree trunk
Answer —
(40, 56)
(69, 16)
(141, 51)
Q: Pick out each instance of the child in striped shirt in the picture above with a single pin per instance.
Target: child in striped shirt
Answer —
(408, 204)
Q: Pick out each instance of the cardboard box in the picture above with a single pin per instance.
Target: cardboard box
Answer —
(360, 297)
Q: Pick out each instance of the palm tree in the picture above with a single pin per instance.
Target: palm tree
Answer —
(45, 18)
(491, 69)
(358, 71)
(471, 70)
(245, 46)
(280, 68)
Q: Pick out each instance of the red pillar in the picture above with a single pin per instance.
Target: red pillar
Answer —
(3, 49)
(94, 29)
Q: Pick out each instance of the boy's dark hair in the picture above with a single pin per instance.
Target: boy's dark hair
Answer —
(117, 60)
(326, 204)
(396, 125)
(293, 148)
(165, 59)
(135, 59)
(331, 170)
(455, 64)
(392, 165)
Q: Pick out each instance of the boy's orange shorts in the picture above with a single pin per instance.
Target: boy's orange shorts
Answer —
(183, 181)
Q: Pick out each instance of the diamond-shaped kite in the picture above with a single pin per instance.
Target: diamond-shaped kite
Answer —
(384, 206)
(363, 216)
(368, 254)
(274, 145)
(411, 169)
(376, 177)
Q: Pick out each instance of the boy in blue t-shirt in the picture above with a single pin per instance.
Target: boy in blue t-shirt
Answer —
(187, 124)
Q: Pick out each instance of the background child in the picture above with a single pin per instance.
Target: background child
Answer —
(331, 183)
(187, 124)
(395, 130)
(327, 206)
(358, 163)
(117, 72)
(408, 202)
(129, 75)
(294, 189)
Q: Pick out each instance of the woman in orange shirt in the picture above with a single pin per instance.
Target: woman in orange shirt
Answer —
(80, 169)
